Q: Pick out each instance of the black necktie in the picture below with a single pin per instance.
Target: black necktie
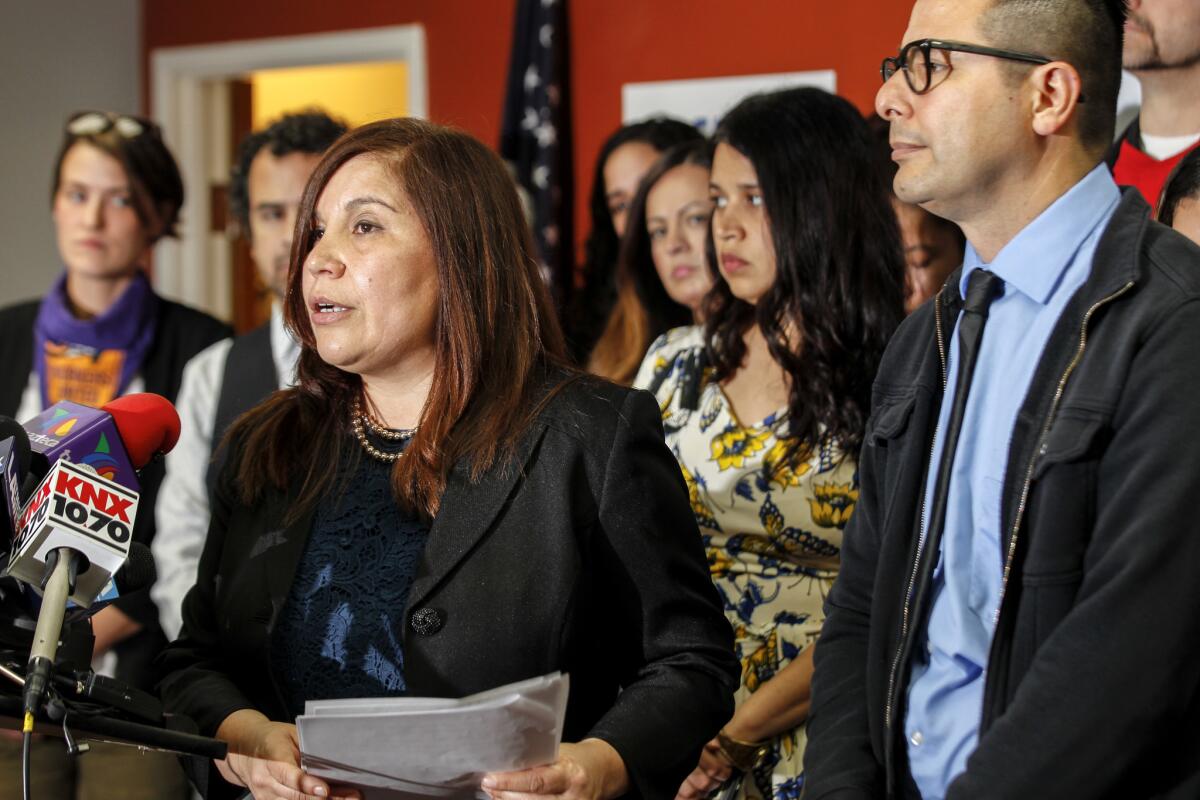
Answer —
(982, 286)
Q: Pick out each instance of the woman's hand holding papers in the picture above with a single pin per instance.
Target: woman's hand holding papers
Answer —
(589, 770)
(264, 757)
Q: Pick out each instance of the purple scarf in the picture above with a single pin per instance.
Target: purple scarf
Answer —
(92, 361)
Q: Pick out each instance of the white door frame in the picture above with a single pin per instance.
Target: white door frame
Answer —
(184, 268)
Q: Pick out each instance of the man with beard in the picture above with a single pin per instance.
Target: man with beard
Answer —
(232, 376)
(1162, 48)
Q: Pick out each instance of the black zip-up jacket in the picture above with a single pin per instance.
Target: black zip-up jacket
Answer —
(1091, 689)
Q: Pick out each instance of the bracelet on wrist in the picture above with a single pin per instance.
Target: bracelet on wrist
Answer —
(741, 754)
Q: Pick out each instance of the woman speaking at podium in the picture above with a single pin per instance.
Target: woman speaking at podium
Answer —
(440, 506)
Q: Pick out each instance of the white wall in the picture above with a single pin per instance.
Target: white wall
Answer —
(56, 57)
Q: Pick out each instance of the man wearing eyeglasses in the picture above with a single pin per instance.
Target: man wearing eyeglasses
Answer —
(1018, 609)
(1162, 48)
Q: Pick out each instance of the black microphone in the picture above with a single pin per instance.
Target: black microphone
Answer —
(137, 574)
(72, 674)
(14, 467)
(20, 607)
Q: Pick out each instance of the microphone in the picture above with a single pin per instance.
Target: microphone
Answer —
(116, 439)
(137, 574)
(74, 508)
(14, 466)
(147, 424)
(20, 606)
(75, 532)
(87, 499)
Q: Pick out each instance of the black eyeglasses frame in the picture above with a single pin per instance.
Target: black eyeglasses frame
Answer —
(898, 63)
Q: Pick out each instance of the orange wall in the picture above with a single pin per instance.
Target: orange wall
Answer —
(613, 42)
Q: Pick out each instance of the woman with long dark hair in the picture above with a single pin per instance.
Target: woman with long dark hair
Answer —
(623, 160)
(765, 405)
(435, 509)
(662, 273)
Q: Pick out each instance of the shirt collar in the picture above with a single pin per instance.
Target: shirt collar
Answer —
(278, 327)
(284, 349)
(1035, 261)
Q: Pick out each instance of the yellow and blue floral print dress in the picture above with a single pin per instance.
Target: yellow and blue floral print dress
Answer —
(772, 527)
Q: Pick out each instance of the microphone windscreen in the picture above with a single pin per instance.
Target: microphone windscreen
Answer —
(148, 424)
(11, 428)
(138, 571)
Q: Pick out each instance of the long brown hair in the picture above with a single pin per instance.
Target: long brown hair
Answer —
(594, 299)
(495, 333)
(643, 311)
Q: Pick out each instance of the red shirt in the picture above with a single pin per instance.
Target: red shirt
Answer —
(1148, 174)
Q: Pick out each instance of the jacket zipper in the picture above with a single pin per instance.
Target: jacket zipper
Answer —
(1062, 385)
(912, 579)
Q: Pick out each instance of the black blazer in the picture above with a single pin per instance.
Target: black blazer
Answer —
(582, 556)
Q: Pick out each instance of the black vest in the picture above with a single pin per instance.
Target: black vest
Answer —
(248, 379)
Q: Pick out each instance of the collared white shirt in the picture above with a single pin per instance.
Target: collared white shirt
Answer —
(182, 511)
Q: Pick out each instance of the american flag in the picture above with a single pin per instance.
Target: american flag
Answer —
(536, 134)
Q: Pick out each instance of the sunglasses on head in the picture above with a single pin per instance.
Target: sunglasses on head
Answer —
(92, 123)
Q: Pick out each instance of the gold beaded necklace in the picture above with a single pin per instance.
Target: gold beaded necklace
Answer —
(360, 418)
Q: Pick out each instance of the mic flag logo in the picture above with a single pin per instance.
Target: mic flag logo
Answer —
(76, 509)
(102, 460)
(82, 435)
(59, 424)
(106, 507)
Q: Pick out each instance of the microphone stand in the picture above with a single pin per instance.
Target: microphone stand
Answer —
(62, 568)
(168, 732)
(59, 585)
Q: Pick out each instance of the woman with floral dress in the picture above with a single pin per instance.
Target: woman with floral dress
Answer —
(764, 406)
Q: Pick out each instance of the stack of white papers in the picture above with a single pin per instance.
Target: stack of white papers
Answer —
(397, 747)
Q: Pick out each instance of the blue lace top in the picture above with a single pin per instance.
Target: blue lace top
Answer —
(340, 634)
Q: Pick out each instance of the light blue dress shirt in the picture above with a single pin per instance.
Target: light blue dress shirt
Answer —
(1042, 267)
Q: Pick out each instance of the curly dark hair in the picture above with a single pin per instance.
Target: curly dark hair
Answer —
(311, 131)
(594, 302)
(839, 279)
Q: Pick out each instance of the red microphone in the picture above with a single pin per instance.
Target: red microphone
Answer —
(148, 424)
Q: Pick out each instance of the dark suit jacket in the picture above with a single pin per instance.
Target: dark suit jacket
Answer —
(582, 556)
